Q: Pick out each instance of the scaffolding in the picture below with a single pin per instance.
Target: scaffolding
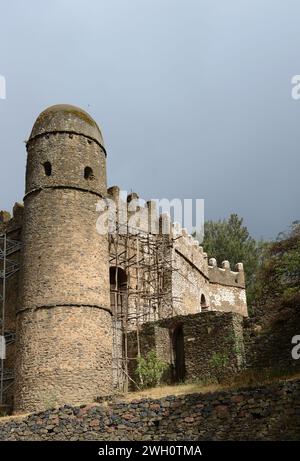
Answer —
(8, 267)
(141, 290)
(144, 294)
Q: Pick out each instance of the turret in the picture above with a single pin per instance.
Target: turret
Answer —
(64, 339)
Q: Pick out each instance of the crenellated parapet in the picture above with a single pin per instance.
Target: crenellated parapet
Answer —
(129, 210)
(12, 222)
(4, 216)
(224, 275)
(189, 248)
(196, 282)
(143, 216)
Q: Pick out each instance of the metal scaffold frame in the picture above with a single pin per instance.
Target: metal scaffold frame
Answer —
(146, 295)
(8, 268)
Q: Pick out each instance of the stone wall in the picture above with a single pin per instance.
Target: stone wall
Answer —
(69, 154)
(195, 284)
(228, 299)
(227, 288)
(269, 345)
(65, 260)
(189, 280)
(261, 413)
(68, 350)
(64, 334)
(212, 344)
(64, 327)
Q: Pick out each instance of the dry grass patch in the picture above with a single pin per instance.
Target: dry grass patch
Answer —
(243, 380)
(164, 391)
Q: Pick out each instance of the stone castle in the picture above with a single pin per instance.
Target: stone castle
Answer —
(79, 306)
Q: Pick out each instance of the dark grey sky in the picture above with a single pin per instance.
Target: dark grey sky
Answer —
(193, 96)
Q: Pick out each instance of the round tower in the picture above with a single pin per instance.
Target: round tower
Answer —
(64, 337)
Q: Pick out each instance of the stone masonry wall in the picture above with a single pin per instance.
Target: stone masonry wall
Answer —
(65, 302)
(261, 413)
(228, 298)
(270, 346)
(65, 260)
(227, 288)
(69, 154)
(190, 276)
(68, 352)
(188, 285)
(213, 344)
(64, 327)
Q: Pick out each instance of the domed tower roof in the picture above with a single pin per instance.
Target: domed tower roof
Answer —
(65, 149)
(66, 118)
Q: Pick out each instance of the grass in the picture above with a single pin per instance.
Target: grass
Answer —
(14, 417)
(242, 380)
(179, 389)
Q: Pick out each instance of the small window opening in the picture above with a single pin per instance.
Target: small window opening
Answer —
(48, 168)
(204, 305)
(88, 173)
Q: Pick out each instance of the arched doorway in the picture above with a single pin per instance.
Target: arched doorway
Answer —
(118, 303)
(204, 306)
(178, 353)
(118, 288)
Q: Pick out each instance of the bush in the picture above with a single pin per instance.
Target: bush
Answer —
(219, 362)
(150, 370)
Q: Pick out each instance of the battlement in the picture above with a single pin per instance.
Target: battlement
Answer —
(144, 216)
(139, 214)
(189, 248)
(10, 222)
(4, 216)
(224, 275)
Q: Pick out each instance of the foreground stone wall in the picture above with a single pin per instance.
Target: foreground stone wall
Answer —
(262, 413)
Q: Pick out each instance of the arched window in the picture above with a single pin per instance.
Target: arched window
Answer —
(88, 173)
(48, 168)
(204, 305)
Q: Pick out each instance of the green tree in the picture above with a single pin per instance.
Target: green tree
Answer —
(230, 240)
(278, 275)
(150, 370)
